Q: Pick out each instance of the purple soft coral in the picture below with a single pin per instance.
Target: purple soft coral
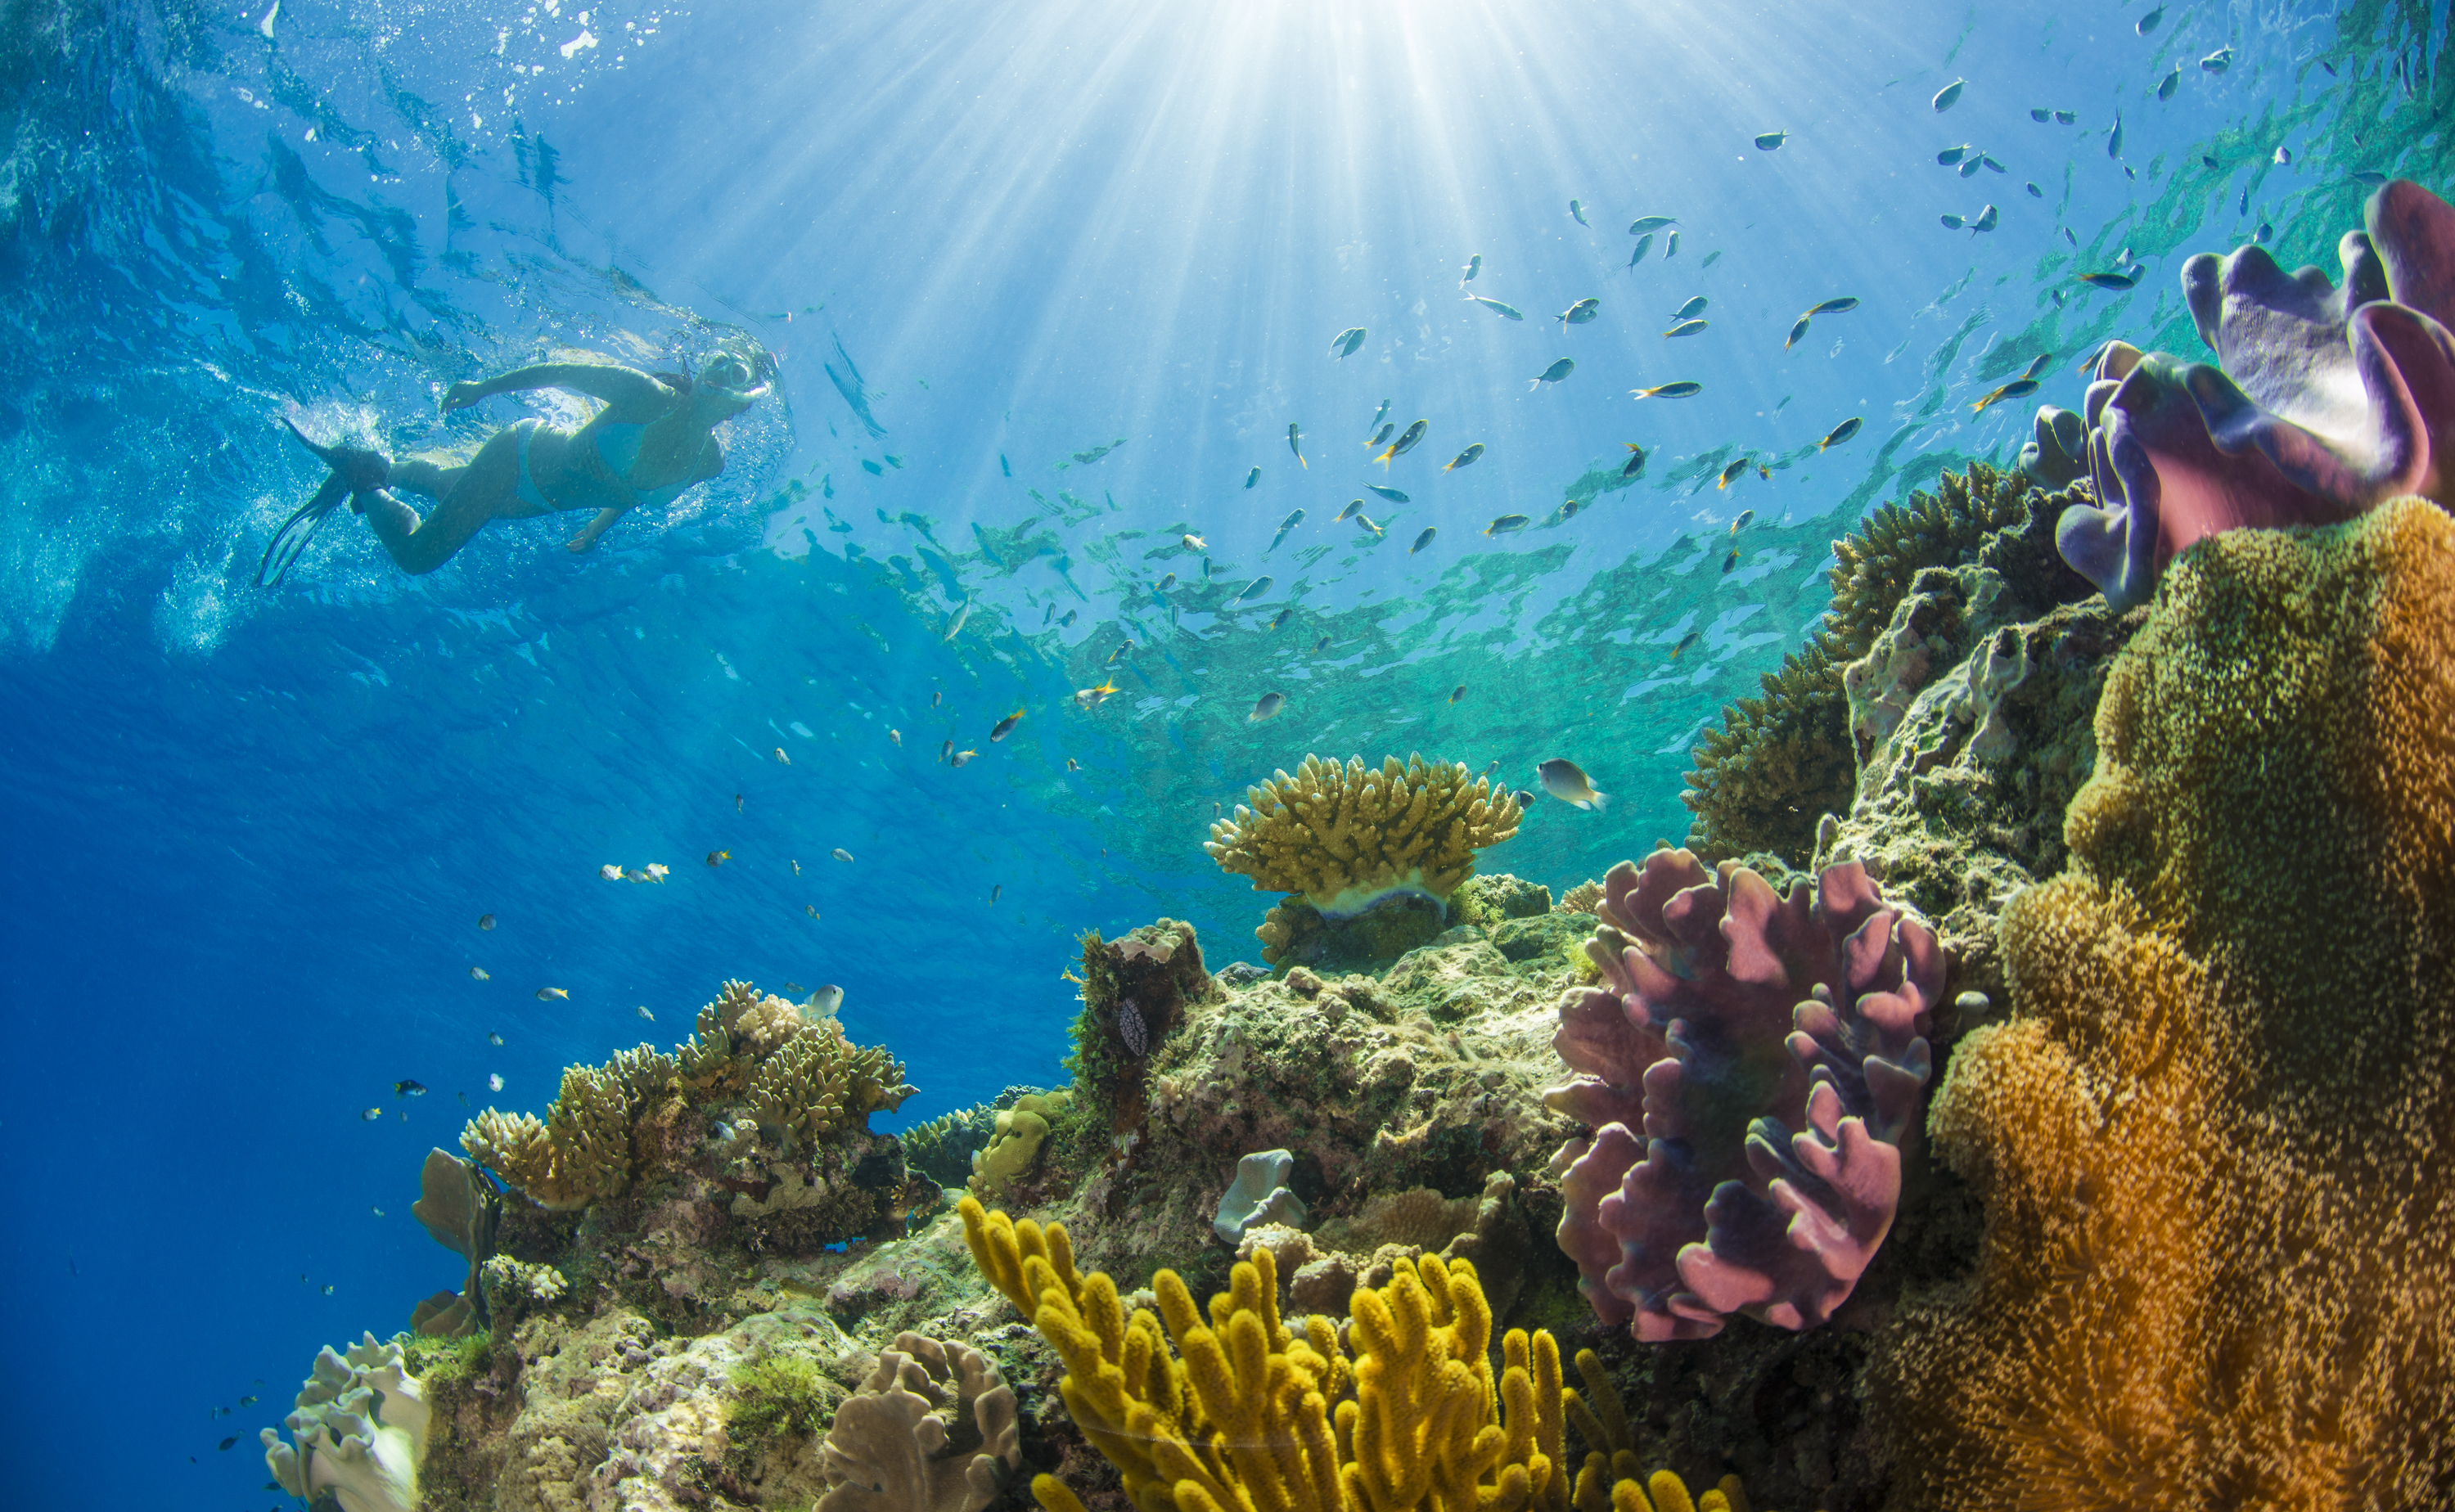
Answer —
(2330, 401)
(1726, 1015)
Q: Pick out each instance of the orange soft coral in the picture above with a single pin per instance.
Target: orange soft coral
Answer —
(2215, 1140)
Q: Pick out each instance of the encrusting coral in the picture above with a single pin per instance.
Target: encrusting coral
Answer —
(359, 1431)
(889, 1450)
(1246, 1414)
(1776, 765)
(2329, 401)
(1345, 837)
(1718, 1207)
(798, 1076)
(2212, 1138)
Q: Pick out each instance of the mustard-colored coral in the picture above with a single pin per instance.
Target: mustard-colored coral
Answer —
(1015, 1143)
(1246, 1414)
(817, 1082)
(1342, 837)
(796, 1075)
(2212, 1140)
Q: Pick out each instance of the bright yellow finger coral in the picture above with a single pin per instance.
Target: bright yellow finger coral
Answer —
(1246, 1414)
(2213, 1140)
(1344, 836)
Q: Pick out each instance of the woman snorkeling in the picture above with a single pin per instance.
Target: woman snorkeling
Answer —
(653, 438)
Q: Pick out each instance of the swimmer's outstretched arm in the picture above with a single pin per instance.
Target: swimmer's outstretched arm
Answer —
(624, 389)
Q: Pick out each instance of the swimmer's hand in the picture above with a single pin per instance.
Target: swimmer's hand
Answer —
(461, 395)
(584, 541)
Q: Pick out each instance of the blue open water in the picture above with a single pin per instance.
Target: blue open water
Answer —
(252, 832)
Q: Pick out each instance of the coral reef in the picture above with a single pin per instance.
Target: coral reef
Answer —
(1342, 838)
(1720, 1208)
(751, 1137)
(2327, 401)
(460, 1209)
(1974, 730)
(1259, 1195)
(359, 1432)
(891, 1449)
(1245, 1411)
(1486, 1229)
(1776, 765)
(2214, 1272)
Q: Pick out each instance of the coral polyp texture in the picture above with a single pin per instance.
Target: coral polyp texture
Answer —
(2329, 402)
(1233, 1408)
(359, 1431)
(1342, 837)
(2212, 1138)
(1693, 1198)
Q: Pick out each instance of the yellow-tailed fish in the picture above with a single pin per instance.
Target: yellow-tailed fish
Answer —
(1685, 641)
(2016, 389)
(1505, 524)
(1731, 473)
(1686, 328)
(1841, 432)
(478, 974)
(718, 857)
(1295, 444)
(1457, 693)
(549, 993)
(960, 756)
(1506, 312)
(1424, 541)
(1578, 314)
(1464, 459)
(1682, 390)
(1345, 341)
(1005, 727)
(1405, 443)
(1552, 375)
(1565, 781)
(1266, 705)
(1797, 333)
(1835, 306)
(1634, 466)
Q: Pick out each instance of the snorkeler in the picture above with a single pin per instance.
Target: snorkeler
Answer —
(653, 438)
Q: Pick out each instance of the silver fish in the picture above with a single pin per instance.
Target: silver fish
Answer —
(1565, 781)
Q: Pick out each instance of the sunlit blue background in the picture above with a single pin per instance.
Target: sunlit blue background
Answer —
(252, 832)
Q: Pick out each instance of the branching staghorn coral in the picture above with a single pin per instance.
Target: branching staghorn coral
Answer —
(1693, 1198)
(1245, 1413)
(799, 1076)
(1346, 837)
(889, 1450)
(2212, 1140)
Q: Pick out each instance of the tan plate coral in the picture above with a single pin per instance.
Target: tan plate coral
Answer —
(1344, 837)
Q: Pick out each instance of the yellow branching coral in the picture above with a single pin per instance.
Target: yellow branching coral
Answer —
(1246, 1414)
(1344, 836)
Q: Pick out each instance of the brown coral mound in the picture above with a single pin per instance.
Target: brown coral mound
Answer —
(1779, 763)
(1344, 836)
(798, 1076)
(2213, 1140)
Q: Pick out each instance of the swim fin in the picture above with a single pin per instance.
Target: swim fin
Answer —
(291, 541)
(353, 471)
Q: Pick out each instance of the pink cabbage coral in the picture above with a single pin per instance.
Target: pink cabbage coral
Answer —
(2328, 403)
(1727, 1015)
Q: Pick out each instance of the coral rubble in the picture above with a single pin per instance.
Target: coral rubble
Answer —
(1720, 1208)
(2327, 401)
(2215, 1268)
(1342, 838)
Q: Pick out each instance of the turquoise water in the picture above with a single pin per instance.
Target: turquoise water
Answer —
(255, 829)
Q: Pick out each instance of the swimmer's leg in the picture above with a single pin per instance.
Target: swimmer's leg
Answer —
(477, 493)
